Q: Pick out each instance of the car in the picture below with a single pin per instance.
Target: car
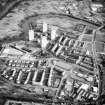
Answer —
(10, 61)
(80, 75)
(16, 61)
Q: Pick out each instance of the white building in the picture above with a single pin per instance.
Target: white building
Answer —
(44, 27)
(44, 42)
(53, 33)
(31, 34)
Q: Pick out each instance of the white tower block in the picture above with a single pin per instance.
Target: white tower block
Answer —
(44, 42)
(53, 33)
(31, 35)
(44, 27)
(87, 52)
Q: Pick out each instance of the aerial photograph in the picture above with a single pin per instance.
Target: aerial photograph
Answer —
(52, 52)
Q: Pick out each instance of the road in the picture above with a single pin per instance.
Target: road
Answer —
(99, 71)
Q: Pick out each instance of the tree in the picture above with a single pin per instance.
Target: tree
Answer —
(6, 6)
